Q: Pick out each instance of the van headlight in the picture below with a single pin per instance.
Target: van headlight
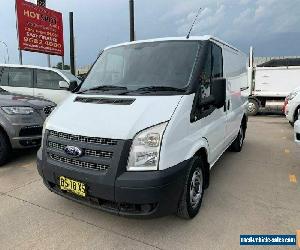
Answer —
(44, 132)
(145, 149)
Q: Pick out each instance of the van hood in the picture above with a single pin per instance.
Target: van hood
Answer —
(89, 115)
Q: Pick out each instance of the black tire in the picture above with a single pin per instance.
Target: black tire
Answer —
(253, 107)
(238, 143)
(188, 208)
(5, 148)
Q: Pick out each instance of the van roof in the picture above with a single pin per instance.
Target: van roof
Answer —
(192, 38)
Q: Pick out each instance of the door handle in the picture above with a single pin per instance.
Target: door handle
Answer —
(228, 104)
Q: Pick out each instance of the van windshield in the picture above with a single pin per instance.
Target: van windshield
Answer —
(159, 66)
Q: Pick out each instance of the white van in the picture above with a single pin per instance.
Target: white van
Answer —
(152, 117)
(47, 83)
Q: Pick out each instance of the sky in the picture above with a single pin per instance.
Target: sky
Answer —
(272, 27)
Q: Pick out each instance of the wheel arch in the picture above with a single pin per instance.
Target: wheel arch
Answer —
(2, 130)
(202, 152)
(296, 113)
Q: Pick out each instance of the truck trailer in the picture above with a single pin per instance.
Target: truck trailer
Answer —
(271, 82)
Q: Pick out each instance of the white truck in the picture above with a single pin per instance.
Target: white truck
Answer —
(144, 129)
(269, 86)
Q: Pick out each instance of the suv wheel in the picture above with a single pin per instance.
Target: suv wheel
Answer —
(191, 198)
(4, 148)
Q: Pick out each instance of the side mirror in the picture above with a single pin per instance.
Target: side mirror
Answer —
(64, 85)
(73, 86)
(210, 100)
(218, 91)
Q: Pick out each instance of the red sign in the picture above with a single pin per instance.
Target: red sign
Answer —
(40, 29)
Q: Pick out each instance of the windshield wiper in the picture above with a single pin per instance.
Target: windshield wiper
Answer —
(155, 89)
(104, 88)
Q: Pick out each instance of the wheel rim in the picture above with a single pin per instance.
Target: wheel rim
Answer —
(196, 188)
(241, 136)
(251, 107)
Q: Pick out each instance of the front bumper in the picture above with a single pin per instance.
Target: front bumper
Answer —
(24, 131)
(24, 140)
(138, 194)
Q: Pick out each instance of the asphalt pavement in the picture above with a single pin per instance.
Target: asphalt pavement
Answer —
(256, 191)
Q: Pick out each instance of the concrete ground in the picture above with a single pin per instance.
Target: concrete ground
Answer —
(256, 191)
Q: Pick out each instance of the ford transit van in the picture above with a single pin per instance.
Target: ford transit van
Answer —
(142, 132)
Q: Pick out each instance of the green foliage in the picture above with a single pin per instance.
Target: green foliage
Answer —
(59, 66)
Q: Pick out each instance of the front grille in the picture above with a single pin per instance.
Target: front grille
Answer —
(77, 163)
(87, 152)
(80, 138)
(47, 110)
(31, 131)
(99, 154)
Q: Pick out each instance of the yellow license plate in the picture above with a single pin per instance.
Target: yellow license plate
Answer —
(69, 185)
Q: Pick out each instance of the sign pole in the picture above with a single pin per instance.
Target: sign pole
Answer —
(43, 3)
(49, 61)
(131, 20)
(72, 48)
(17, 28)
(20, 57)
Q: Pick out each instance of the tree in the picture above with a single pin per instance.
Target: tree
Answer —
(59, 66)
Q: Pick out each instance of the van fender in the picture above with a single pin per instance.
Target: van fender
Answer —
(202, 143)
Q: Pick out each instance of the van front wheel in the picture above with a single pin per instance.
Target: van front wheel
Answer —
(191, 198)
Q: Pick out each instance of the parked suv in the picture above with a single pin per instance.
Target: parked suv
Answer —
(47, 83)
(21, 121)
(148, 123)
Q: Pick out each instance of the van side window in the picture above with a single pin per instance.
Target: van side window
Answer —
(19, 77)
(47, 79)
(217, 61)
(213, 68)
(3, 76)
(205, 78)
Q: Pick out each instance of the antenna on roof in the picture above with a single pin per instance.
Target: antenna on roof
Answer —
(188, 35)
